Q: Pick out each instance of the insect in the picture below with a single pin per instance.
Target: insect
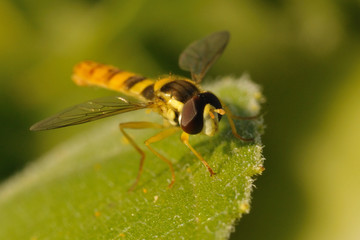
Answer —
(179, 100)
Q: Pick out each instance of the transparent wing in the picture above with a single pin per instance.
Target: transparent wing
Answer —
(89, 111)
(198, 57)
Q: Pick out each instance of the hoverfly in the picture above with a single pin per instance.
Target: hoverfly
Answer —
(179, 100)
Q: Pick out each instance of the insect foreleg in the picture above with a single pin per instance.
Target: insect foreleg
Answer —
(230, 116)
(185, 139)
(245, 118)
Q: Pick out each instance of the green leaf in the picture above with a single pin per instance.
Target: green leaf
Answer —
(79, 189)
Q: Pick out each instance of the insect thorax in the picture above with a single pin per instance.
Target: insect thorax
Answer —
(170, 96)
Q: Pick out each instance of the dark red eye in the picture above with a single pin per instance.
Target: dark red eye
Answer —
(193, 110)
(192, 116)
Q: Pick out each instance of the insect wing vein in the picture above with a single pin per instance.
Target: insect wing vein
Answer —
(89, 111)
(199, 56)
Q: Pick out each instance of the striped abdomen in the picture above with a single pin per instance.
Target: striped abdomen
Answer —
(169, 93)
(96, 74)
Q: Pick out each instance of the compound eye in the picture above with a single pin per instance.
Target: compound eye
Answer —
(192, 116)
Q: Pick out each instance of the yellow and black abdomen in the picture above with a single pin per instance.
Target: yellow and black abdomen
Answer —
(90, 73)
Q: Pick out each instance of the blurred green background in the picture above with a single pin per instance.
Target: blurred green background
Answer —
(305, 54)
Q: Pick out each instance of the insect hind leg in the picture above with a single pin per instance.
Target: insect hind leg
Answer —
(158, 137)
(163, 134)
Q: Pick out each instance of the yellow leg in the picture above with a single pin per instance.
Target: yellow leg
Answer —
(230, 118)
(185, 140)
(158, 137)
(245, 118)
